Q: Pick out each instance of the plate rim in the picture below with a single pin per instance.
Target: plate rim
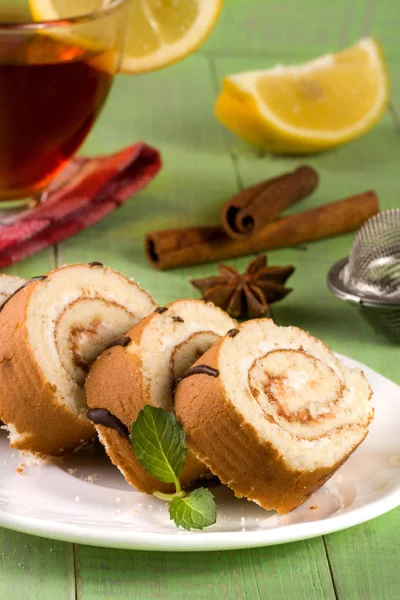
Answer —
(207, 541)
(201, 541)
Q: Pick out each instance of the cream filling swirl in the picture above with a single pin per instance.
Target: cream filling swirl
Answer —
(72, 316)
(295, 392)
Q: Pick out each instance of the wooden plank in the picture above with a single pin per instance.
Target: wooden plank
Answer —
(198, 176)
(33, 568)
(365, 560)
(259, 28)
(173, 110)
(277, 573)
(371, 162)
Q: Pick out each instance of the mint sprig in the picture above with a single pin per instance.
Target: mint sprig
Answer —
(158, 440)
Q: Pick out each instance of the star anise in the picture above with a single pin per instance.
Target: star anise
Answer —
(247, 295)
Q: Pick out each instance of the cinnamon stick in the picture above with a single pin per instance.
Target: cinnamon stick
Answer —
(248, 212)
(198, 245)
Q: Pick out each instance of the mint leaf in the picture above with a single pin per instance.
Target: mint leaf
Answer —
(195, 511)
(158, 442)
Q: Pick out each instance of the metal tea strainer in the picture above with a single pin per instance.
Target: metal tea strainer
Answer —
(370, 276)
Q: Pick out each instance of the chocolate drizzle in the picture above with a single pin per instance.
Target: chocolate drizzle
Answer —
(31, 280)
(96, 263)
(161, 309)
(232, 332)
(101, 416)
(123, 341)
(199, 370)
(178, 319)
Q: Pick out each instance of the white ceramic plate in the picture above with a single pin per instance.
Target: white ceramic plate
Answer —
(83, 498)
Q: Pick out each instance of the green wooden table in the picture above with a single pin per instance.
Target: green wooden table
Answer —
(203, 165)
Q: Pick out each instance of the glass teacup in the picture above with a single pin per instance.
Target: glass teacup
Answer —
(54, 79)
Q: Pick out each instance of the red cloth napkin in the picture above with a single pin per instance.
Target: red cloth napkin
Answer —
(85, 191)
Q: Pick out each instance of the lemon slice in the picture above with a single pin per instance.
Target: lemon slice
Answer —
(159, 32)
(309, 107)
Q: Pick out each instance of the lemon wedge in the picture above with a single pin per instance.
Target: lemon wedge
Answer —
(310, 107)
(159, 32)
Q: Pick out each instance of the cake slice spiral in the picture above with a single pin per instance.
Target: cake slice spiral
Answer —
(283, 414)
(51, 331)
(143, 368)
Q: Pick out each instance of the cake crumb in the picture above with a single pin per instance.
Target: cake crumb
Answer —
(31, 460)
(19, 471)
(72, 471)
(90, 478)
(314, 507)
